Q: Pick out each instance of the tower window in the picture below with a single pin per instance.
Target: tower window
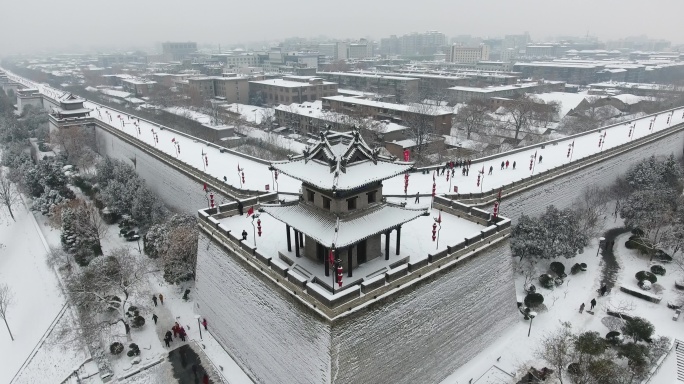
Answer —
(351, 203)
(326, 203)
(371, 196)
(310, 195)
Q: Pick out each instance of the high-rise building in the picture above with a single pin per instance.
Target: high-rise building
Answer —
(461, 54)
(178, 51)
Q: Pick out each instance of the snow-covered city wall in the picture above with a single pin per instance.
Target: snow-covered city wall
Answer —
(177, 190)
(424, 334)
(272, 336)
(562, 192)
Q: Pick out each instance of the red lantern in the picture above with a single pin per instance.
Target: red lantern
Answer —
(276, 175)
(448, 176)
(340, 272)
(434, 231)
(478, 180)
(259, 227)
(495, 212)
(178, 145)
(243, 177)
(531, 162)
(568, 152)
(455, 189)
(206, 160)
(211, 199)
(434, 189)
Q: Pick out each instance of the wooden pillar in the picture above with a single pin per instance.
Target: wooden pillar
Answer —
(326, 258)
(289, 245)
(349, 260)
(301, 239)
(398, 239)
(387, 243)
(296, 243)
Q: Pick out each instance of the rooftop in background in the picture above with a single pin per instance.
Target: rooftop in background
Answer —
(498, 88)
(368, 75)
(289, 84)
(391, 106)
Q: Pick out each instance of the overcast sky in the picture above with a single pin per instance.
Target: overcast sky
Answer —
(43, 24)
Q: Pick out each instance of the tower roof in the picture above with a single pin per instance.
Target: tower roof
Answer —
(341, 162)
(340, 231)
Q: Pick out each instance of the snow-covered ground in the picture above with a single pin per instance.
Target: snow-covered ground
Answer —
(37, 296)
(515, 349)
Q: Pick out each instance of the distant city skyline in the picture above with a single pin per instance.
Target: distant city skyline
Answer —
(80, 24)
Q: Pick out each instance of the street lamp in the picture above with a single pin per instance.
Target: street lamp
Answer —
(532, 315)
(199, 326)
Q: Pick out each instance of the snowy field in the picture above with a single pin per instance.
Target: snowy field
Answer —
(37, 296)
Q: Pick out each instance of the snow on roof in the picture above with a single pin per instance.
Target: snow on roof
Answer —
(115, 93)
(630, 99)
(391, 106)
(496, 88)
(369, 75)
(559, 65)
(289, 84)
(341, 161)
(325, 229)
(569, 101)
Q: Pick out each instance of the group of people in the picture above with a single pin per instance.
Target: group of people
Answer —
(177, 331)
(602, 291)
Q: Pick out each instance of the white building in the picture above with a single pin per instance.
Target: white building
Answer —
(461, 54)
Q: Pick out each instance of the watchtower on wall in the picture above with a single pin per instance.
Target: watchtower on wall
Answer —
(341, 213)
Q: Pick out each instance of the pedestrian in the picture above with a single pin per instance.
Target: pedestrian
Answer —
(593, 304)
(468, 171)
(540, 159)
(204, 323)
(167, 341)
(154, 317)
(205, 379)
(417, 200)
(161, 299)
(491, 168)
(503, 164)
(182, 333)
(463, 170)
(514, 165)
(469, 163)
(582, 308)
(244, 235)
(443, 169)
(604, 288)
(176, 329)
(506, 164)
(453, 171)
(154, 298)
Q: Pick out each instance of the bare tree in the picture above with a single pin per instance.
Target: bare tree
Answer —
(521, 113)
(6, 300)
(421, 125)
(557, 350)
(9, 194)
(472, 117)
(267, 118)
(592, 208)
(102, 291)
(77, 144)
(180, 259)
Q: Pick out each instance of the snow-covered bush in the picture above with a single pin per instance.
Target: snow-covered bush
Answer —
(533, 300)
(638, 329)
(645, 285)
(614, 337)
(133, 350)
(658, 270)
(645, 275)
(546, 281)
(558, 268)
(115, 348)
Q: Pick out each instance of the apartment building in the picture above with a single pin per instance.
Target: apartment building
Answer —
(177, 50)
(462, 54)
(576, 73)
(233, 89)
(399, 86)
(397, 113)
(236, 60)
(291, 89)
